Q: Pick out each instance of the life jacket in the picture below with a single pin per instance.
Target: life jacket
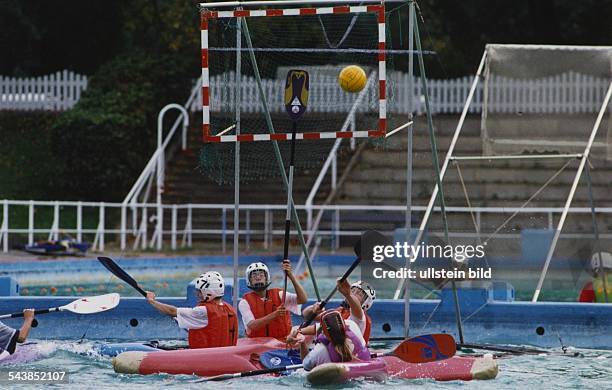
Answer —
(587, 295)
(346, 314)
(222, 328)
(360, 350)
(598, 288)
(278, 328)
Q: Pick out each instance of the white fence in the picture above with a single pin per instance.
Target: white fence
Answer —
(99, 221)
(566, 93)
(55, 92)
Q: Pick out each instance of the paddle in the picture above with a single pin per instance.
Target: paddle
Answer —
(420, 349)
(296, 100)
(114, 268)
(368, 239)
(89, 305)
(486, 347)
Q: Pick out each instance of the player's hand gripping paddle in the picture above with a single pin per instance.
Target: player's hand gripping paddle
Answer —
(296, 100)
(114, 268)
(89, 305)
(366, 243)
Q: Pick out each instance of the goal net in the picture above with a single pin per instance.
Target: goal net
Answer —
(246, 55)
(545, 99)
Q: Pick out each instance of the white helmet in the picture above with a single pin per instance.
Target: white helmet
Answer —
(606, 261)
(257, 267)
(369, 292)
(211, 285)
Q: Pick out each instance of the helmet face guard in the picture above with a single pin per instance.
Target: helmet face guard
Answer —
(259, 286)
(368, 292)
(333, 327)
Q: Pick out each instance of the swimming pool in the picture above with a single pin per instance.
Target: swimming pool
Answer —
(89, 370)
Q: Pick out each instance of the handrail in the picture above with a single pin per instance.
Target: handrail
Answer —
(188, 230)
(151, 164)
(350, 118)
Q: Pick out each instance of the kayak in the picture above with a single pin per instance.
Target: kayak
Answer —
(28, 353)
(337, 373)
(56, 249)
(456, 368)
(144, 359)
(202, 362)
(114, 349)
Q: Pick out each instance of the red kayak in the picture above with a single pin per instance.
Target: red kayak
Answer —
(202, 362)
(245, 357)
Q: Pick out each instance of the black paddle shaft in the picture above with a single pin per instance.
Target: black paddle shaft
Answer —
(114, 268)
(41, 311)
(313, 315)
(289, 197)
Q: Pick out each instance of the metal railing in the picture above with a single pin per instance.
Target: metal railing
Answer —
(110, 221)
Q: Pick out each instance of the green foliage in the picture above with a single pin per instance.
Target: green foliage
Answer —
(107, 139)
(27, 164)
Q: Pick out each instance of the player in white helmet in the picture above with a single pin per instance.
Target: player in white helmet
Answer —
(262, 310)
(358, 299)
(599, 289)
(213, 322)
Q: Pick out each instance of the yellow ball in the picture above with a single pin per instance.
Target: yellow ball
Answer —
(352, 78)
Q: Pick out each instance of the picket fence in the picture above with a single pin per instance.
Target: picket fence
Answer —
(566, 93)
(55, 92)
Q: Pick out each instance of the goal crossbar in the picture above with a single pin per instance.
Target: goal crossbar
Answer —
(378, 9)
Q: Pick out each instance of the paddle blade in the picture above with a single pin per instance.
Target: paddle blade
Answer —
(296, 93)
(114, 268)
(364, 247)
(426, 348)
(92, 305)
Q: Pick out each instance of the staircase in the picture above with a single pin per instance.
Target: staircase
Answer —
(185, 183)
(379, 178)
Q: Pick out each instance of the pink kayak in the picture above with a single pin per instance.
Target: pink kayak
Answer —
(245, 357)
(202, 362)
(456, 368)
(336, 373)
(27, 353)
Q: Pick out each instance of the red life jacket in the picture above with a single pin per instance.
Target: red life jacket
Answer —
(222, 328)
(587, 294)
(278, 328)
(346, 314)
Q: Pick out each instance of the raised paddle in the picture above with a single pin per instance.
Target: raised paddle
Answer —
(420, 349)
(88, 305)
(368, 239)
(114, 268)
(296, 101)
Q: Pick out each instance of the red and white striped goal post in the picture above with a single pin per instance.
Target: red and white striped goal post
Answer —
(378, 9)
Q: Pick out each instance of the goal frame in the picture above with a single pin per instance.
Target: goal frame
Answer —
(207, 12)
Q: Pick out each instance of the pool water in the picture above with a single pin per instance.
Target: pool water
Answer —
(173, 283)
(89, 370)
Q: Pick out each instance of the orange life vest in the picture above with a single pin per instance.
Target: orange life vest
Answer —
(346, 314)
(278, 328)
(222, 328)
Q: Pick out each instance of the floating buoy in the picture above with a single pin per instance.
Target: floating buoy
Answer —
(165, 284)
(24, 291)
(53, 290)
(43, 291)
(80, 289)
(68, 290)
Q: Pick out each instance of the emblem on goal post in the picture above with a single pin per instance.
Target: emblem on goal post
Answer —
(296, 93)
